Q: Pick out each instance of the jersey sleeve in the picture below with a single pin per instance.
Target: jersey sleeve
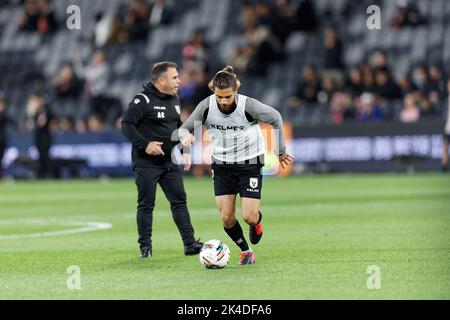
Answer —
(196, 119)
(132, 117)
(269, 115)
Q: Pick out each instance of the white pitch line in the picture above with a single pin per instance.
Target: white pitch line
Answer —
(83, 226)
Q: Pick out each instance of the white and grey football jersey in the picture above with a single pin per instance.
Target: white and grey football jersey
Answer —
(236, 137)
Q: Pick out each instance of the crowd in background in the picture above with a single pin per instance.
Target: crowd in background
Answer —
(360, 93)
(368, 92)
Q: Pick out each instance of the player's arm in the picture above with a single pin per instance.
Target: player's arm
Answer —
(196, 119)
(133, 116)
(255, 110)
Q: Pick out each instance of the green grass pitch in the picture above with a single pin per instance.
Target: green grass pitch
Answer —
(321, 235)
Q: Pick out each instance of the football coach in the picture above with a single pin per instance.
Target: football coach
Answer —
(149, 123)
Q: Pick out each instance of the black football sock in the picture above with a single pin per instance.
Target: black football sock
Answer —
(260, 217)
(237, 236)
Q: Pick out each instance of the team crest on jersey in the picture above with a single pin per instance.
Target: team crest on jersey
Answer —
(177, 107)
(254, 183)
(136, 101)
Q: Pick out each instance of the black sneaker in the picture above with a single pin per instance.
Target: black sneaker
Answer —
(194, 248)
(145, 253)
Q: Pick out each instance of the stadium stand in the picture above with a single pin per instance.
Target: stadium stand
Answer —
(270, 43)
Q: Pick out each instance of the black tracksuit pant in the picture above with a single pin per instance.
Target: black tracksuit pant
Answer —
(171, 181)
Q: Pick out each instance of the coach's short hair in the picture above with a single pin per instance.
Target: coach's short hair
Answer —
(225, 78)
(160, 68)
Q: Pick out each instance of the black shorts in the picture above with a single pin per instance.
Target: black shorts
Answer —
(245, 179)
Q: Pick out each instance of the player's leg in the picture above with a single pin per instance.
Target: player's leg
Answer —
(252, 216)
(250, 187)
(172, 184)
(227, 208)
(146, 180)
(226, 187)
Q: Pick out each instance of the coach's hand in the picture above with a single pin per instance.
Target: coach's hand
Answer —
(285, 159)
(187, 161)
(187, 140)
(154, 148)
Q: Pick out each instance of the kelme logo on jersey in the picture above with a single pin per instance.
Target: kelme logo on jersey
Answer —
(221, 127)
(254, 183)
(177, 108)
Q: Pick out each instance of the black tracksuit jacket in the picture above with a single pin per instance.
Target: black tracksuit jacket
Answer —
(152, 116)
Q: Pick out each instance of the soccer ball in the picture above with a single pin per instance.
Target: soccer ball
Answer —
(214, 254)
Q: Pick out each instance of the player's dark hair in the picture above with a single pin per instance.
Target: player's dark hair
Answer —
(225, 78)
(160, 68)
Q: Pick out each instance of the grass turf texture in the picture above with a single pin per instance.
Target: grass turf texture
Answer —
(321, 233)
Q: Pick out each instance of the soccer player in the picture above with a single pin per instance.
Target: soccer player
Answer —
(237, 153)
(152, 116)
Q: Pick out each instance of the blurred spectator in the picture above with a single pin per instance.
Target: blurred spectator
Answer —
(367, 77)
(308, 88)
(136, 23)
(40, 120)
(354, 84)
(406, 85)
(241, 57)
(306, 17)
(407, 14)
(29, 20)
(341, 108)
(249, 15)
(96, 74)
(37, 17)
(367, 109)
(436, 86)
(267, 49)
(193, 89)
(333, 49)
(187, 87)
(81, 126)
(378, 60)
(420, 79)
(280, 19)
(385, 87)
(160, 13)
(427, 109)
(264, 14)
(118, 34)
(329, 86)
(46, 20)
(195, 51)
(446, 140)
(66, 124)
(410, 112)
(5, 121)
(102, 29)
(202, 89)
(95, 124)
(283, 20)
(66, 83)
